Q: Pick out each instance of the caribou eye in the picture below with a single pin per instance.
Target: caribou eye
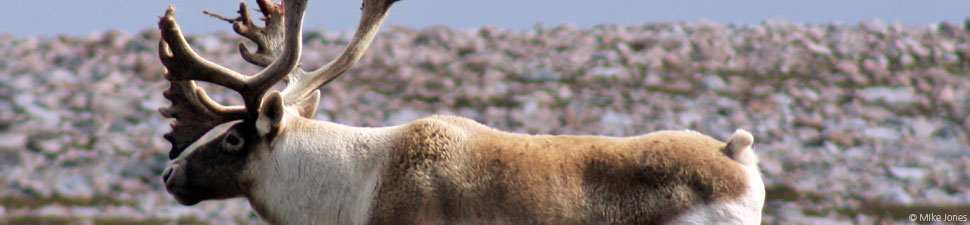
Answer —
(233, 141)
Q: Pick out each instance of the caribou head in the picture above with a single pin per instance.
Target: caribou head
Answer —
(211, 143)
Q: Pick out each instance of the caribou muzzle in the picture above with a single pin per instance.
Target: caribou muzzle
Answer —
(176, 184)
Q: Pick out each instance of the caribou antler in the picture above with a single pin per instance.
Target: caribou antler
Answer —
(184, 64)
(278, 50)
(192, 109)
(268, 39)
(302, 83)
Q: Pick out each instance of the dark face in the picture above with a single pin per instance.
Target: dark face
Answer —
(212, 167)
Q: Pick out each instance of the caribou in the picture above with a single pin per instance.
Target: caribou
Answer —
(435, 170)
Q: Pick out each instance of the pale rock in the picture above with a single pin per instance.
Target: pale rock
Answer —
(826, 220)
(606, 73)
(531, 106)
(50, 146)
(688, 118)
(847, 67)
(947, 46)
(782, 99)
(150, 105)
(771, 166)
(23, 83)
(909, 173)
(134, 186)
(938, 196)
(881, 133)
(63, 76)
(896, 195)
(12, 141)
(148, 203)
(876, 26)
(950, 58)
(327, 105)
(852, 153)
(714, 82)
(177, 211)
(916, 48)
(74, 186)
(679, 86)
(817, 48)
(84, 211)
(924, 128)
(564, 92)
(615, 120)
(121, 211)
(889, 95)
(541, 76)
(907, 60)
(777, 23)
(946, 94)
(47, 117)
(874, 113)
(963, 199)
(862, 218)
(53, 211)
(207, 43)
(950, 147)
(402, 116)
(809, 94)
(831, 109)
(806, 135)
(652, 80)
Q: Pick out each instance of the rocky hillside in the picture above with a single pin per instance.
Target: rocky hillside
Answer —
(864, 123)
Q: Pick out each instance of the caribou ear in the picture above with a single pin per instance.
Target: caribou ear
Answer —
(307, 107)
(270, 121)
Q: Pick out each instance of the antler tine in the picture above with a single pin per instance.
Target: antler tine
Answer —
(193, 111)
(292, 49)
(194, 114)
(303, 83)
(269, 39)
(185, 64)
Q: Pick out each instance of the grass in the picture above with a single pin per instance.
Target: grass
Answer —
(890, 211)
(15, 202)
(57, 220)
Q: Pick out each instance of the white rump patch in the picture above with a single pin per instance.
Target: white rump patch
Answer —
(744, 210)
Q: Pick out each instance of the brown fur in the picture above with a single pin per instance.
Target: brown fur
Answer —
(450, 170)
(212, 171)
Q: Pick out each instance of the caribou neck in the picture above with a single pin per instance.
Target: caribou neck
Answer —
(319, 165)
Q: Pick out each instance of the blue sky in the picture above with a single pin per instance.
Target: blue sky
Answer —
(52, 17)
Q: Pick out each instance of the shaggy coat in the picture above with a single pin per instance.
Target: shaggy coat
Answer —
(436, 170)
(452, 170)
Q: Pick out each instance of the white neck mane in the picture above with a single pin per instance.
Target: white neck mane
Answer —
(318, 166)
